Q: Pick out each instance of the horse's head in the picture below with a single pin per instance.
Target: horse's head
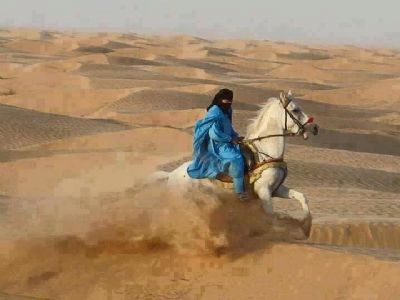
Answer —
(295, 120)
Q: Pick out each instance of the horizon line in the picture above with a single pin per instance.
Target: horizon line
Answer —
(172, 33)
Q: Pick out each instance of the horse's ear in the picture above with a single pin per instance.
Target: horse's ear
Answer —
(282, 96)
(284, 100)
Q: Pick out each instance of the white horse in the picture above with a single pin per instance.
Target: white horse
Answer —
(276, 120)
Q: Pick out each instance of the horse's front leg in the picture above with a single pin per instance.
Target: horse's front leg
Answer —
(288, 193)
(285, 192)
(264, 193)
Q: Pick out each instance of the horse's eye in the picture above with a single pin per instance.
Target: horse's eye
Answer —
(296, 110)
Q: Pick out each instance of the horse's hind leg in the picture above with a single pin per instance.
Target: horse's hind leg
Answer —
(288, 193)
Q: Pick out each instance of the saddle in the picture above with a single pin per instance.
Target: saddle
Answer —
(253, 168)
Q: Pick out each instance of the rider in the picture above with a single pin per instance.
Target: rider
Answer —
(216, 144)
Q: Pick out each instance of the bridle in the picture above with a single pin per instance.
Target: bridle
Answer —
(285, 101)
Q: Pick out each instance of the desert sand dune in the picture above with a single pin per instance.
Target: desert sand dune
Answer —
(302, 71)
(85, 117)
(10, 70)
(172, 118)
(48, 89)
(139, 52)
(91, 59)
(120, 83)
(384, 65)
(65, 102)
(22, 127)
(197, 88)
(41, 47)
(382, 93)
(181, 72)
(150, 100)
(135, 140)
(21, 33)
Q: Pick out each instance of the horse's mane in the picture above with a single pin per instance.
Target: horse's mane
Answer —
(256, 121)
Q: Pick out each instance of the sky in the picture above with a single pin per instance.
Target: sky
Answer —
(356, 22)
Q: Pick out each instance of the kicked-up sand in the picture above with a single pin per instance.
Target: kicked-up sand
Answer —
(85, 118)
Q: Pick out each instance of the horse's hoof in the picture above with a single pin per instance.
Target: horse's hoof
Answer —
(271, 219)
(268, 210)
(306, 226)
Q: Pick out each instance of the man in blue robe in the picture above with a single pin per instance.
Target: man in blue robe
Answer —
(215, 144)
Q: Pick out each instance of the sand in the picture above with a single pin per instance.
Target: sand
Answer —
(86, 117)
(383, 94)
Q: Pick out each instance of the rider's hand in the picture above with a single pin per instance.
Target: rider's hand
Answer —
(237, 140)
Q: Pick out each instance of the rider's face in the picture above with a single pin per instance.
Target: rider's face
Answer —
(226, 104)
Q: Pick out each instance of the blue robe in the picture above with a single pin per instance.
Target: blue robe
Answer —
(212, 151)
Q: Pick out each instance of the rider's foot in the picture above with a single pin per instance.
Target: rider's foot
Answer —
(243, 197)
